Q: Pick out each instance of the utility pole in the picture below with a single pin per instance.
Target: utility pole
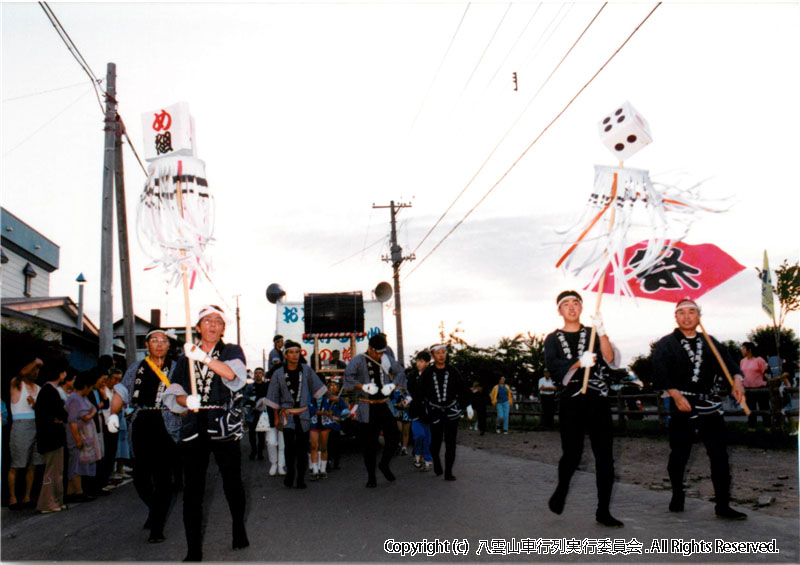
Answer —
(107, 223)
(124, 255)
(396, 260)
(238, 339)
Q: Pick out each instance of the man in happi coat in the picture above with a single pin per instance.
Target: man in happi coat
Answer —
(446, 394)
(291, 388)
(686, 368)
(375, 374)
(153, 429)
(566, 356)
(212, 424)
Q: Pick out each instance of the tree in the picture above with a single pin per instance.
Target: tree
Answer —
(764, 338)
(787, 287)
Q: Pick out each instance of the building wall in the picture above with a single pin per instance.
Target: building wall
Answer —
(14, 280)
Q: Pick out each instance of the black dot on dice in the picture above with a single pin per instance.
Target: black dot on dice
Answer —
(631, 139)
(607, 128)
(620, 119)
(619, 146)
(607, 120)
(618, 112)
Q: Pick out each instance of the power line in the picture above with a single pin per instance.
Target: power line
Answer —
(518, 159)
(441, 63)
(491, 39)
(31, 94)
(48, 122)
(370, 246)
(508, 131)
(531, 56)
(524, 29)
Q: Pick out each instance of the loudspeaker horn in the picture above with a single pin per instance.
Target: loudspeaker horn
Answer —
(383, 291)
(275, 292)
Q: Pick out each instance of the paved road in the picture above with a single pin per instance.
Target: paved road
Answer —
(338, 520)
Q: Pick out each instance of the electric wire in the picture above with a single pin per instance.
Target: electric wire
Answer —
(538, 137)
(491, 40)
(508, 131)
(511, 50)
(48, 122)
(370, 246)
(542, 39)
(441, 63)
(32, 94)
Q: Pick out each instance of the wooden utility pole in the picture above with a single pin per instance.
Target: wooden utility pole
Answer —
(397, 259)
(107, 222)
(124, 255)
(238, 328)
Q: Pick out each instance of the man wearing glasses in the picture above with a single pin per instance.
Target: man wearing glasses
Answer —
(212, 423)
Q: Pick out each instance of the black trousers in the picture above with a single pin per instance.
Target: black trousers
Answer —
(758, 399)
(447, 430)
(548, 409)
(153, 464)
(712, 431)
(296, 452)
(258, 440)
(580, 415)
(380, 419)
(480, 411)
(228, 457)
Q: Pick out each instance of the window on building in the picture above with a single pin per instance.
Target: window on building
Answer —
(29, 274)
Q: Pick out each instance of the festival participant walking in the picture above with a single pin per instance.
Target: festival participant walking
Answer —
(418, 412)
(686, 368)
(446, 393)
(291, 389)
(212, 425)
(153, 430)
(325, 412)
(254, 393)
(566, 350)
(51, 418)
(375, 374)
(753, 370)
(275, 358)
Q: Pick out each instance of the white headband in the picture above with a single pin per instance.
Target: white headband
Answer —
(208, 310)
(437, 347)
(578, 298)
(688, 303)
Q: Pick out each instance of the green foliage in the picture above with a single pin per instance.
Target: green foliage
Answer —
(787, 287)
(520, 359)
(764, 338)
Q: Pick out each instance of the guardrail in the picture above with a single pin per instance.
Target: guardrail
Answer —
(624, 408)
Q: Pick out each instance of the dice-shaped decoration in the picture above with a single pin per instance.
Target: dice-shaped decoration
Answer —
(624, 131)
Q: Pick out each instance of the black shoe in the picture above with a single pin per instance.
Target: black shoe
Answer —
(288, 481)
(372, 483)
(384, 467)
(556, 502)
(156, 537)
(729, 513)
(677, 502)
(193, 556)
(19, 506)
(607, 519)
(240, 540)
(449, 477)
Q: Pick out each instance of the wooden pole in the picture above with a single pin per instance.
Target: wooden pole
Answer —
(184, 279)
(723, 366)
(124, 254)
(602, 283)
(106, 330)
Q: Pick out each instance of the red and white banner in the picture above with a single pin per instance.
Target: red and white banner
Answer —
(686, 271)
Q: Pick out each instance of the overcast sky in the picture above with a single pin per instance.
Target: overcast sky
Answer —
(308, 113)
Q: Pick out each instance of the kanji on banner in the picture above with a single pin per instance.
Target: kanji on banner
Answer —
(685, 271)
